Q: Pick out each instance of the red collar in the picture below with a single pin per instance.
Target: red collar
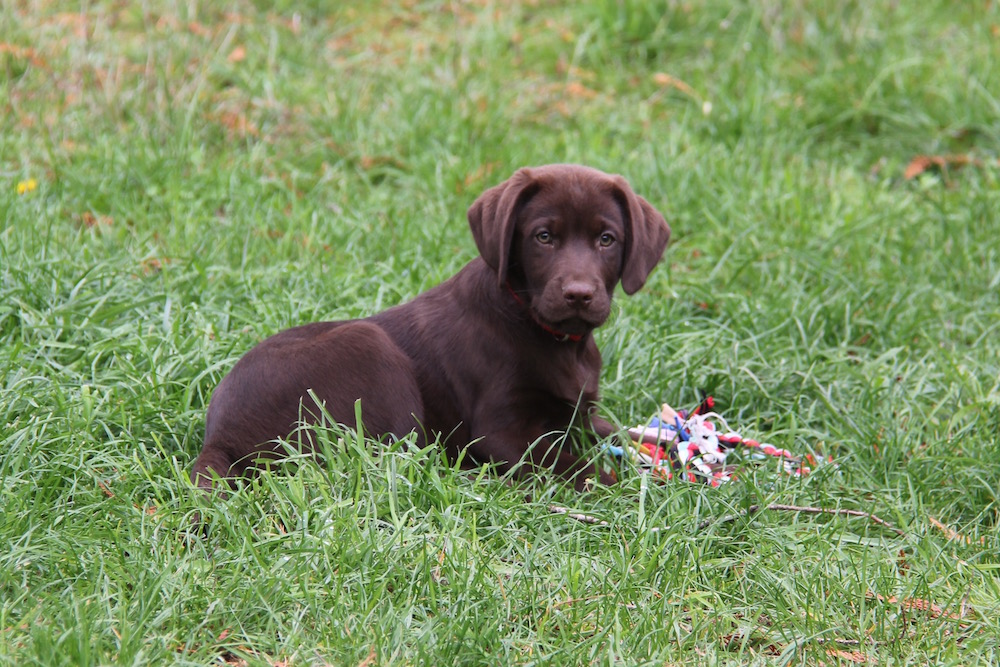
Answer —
(560, 336)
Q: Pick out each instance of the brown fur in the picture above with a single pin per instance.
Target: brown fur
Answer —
(495, 359)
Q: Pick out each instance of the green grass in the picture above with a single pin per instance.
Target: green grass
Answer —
(210, 173)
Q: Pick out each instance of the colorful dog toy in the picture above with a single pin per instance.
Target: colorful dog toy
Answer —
(690, 445)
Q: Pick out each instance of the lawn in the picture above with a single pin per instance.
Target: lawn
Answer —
(179, 180)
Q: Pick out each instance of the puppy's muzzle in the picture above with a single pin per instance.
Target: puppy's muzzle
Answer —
(578, 294)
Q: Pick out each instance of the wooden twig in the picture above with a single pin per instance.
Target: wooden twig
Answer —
(593, 520)
(583, 518)
(804, 509)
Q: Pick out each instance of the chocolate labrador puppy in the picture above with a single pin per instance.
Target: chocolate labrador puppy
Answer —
(499, 359)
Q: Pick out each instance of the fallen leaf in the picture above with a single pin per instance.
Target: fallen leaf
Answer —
(370, 660)
(481, 172)
(75, 20)
(89, 220)
(22, 53)
(667, 81)
(368, 162)
(915, 604)
(902, 563)
(152, 265)
(922, 163)
(236, 122)
(198, 29)
(856, 657)
(735, 641)
(575, 89)
(951, 533)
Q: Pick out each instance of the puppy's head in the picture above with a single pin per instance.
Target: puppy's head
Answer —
(562, 237)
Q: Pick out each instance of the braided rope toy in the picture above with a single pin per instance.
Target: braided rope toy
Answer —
(690, 445)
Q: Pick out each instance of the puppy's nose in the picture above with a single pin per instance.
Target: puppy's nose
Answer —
(578, 294)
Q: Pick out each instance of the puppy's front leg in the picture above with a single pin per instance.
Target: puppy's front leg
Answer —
(602, 427)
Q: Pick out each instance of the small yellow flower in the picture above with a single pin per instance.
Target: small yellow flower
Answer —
(27, 186)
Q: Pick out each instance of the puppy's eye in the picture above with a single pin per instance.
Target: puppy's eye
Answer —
(544, 236)
(607, 239)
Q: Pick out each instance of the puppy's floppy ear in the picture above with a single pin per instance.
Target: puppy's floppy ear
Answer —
(646, 236)
(492, 217)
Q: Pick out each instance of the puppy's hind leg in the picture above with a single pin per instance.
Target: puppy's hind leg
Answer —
(213, 462)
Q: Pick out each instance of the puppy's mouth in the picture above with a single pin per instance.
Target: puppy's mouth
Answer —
(577, 324)
(559, 319)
